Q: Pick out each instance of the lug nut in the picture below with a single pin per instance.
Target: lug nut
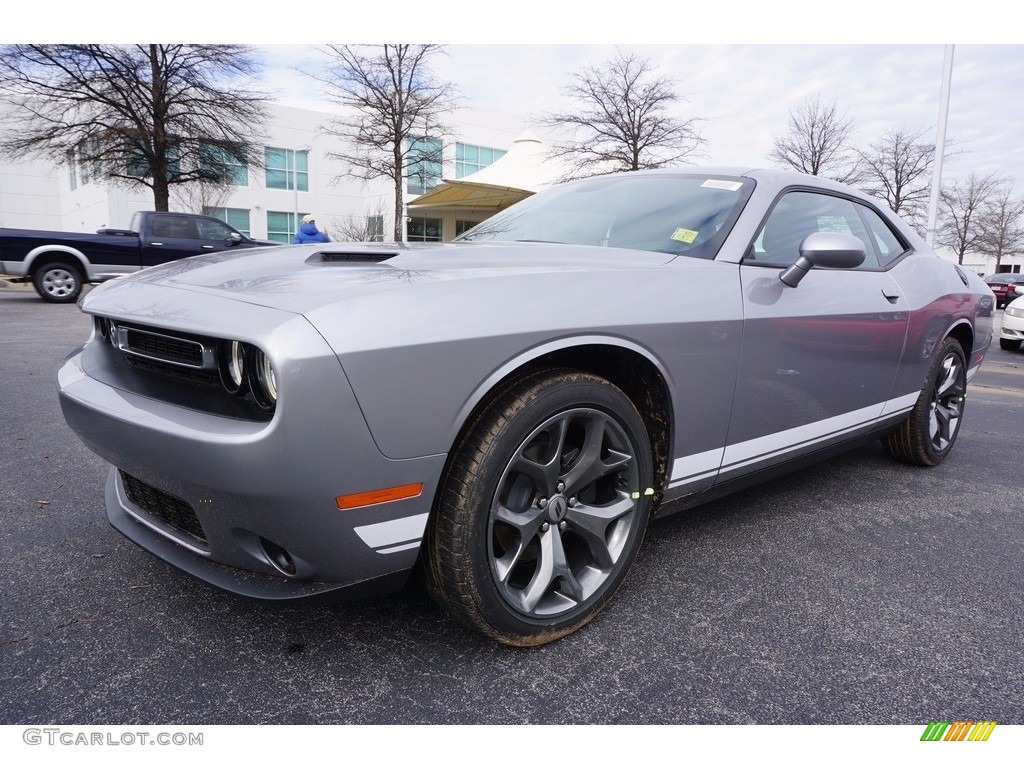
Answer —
(560, 487)
(545, 527)
(543, 502)
(572, 501)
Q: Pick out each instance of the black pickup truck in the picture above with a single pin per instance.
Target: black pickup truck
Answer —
(59, 263)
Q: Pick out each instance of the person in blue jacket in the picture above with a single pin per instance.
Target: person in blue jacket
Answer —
(308, 233)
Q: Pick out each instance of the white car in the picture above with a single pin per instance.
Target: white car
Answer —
(1012, 332)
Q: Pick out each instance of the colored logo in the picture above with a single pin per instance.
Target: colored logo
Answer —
(958, 730)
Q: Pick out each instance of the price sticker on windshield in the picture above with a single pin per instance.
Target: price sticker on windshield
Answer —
(684, 235)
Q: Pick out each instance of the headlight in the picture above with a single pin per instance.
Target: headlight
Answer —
(232, 365)
(262, 380)
(1015, 311)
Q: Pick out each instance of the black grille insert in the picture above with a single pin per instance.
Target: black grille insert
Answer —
(169, 510)
(162, 347)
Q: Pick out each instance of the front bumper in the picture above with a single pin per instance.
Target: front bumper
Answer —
(251, 490)
(1012, 327)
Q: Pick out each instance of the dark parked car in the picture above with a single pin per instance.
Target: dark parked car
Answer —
(507, 412)
(59, 263)
(1001, 284)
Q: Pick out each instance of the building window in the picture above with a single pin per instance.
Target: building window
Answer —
(88, 169)
(281, 225)
(375, 229)
(235, 217)
(72, 170)
(423, 230)
(463, 226)
(215, 159)
(470, 158)
(287, 168)
(423, 166)
(138, 166)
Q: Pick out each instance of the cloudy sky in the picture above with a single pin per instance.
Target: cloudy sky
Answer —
(741, 70)
(743, 93)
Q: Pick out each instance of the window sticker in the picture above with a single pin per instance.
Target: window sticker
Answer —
(731, 186)
(684, 235)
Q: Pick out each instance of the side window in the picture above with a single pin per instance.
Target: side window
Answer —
(173, 226)
(210, 229)
(889, 246)
(798, 214)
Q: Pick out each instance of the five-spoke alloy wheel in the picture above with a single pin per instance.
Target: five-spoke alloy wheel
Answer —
(928, 433)
(544, 505)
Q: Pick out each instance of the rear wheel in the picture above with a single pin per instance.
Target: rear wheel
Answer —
(58, 281)
(927, 435)
(542, 510)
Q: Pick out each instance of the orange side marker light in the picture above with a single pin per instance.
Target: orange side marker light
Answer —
(379, 496)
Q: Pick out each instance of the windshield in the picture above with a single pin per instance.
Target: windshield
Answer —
(682, 214)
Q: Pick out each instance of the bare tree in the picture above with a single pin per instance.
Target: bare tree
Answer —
(394, 127)
(360, 229)
(818, 142)
(897, 168)
(141, 115)
(201, 195)
(964, 203)
(623, 120)
(1002, 225)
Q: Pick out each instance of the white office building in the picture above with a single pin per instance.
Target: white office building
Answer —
(299, 177)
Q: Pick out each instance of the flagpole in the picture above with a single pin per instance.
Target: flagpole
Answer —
(940, 144)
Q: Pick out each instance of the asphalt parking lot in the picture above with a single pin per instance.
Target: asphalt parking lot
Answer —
(858, 591)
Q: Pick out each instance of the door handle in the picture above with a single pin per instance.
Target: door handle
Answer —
(208, 247)
(892, 295)
(156, 243)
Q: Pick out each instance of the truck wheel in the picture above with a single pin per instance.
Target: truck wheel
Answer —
(58, 282)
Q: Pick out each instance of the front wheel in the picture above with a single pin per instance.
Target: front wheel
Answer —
(58, 282)
(927, 435)
(542, 510)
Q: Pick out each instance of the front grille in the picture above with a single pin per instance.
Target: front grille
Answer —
(169, 510)
(162, 347)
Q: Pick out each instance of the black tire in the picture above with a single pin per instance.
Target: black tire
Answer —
(59, 282)
(1010, 345)
(927, 435)
(542, 509)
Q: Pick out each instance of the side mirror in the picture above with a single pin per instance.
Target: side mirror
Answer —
(832, 250)
(234, 238)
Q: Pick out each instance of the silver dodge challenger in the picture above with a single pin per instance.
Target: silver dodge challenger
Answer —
(504, 414)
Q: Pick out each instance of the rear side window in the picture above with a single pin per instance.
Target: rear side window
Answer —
(883, 238)
(174, 226)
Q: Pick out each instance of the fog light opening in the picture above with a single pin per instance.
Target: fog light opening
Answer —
(278, 557)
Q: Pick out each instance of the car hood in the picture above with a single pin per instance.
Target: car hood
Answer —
(302, 278)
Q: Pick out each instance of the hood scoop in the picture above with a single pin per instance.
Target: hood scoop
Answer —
(350, 257)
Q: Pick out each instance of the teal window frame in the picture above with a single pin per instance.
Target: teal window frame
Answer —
(470, 158)
(239, 218)
(286, 168)
(423, 165)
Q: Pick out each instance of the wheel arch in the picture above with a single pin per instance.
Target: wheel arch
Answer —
(962, 332)
(45, 254)
(626, 365)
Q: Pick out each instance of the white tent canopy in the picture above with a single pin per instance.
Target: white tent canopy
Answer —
(519, 173)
